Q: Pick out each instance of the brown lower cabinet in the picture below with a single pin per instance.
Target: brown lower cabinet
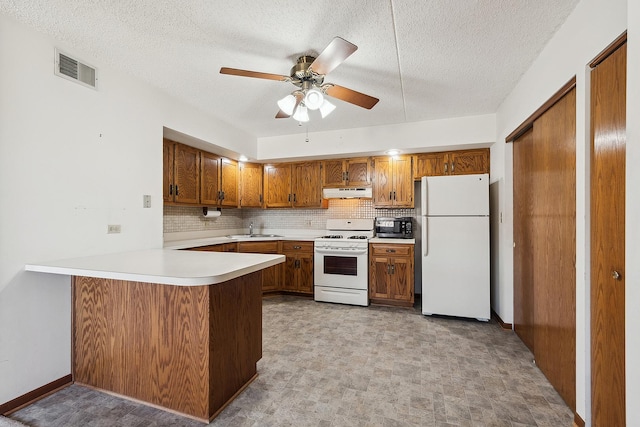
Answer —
(298, 270)
(222, 247)
(391, 274)
(271, 276)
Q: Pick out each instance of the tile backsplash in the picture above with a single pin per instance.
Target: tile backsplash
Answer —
(182, 219)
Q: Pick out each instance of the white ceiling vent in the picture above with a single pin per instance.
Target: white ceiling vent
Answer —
(72, 69)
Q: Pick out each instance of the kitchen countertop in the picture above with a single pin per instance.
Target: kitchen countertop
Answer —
(163, 266)
(217, 240)
(394, 241)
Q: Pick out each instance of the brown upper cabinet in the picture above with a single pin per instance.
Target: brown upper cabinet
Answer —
(295, 185)
(392, 182)
(250, 185)
(181, 173)
(218, 180)
(346, 172)
(463, 162)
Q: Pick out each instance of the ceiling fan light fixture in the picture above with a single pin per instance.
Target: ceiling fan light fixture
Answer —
(326, 108)
(301, 114)
(287, 104)
(313, 99)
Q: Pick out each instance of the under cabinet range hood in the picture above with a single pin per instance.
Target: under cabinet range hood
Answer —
(347, 193)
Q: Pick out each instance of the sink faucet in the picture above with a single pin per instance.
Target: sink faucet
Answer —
(251, 228)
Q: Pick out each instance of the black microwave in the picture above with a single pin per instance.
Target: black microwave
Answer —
(399, 228)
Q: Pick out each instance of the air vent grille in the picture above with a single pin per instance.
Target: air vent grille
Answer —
(72, 69)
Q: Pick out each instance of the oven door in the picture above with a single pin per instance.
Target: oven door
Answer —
(338, 268)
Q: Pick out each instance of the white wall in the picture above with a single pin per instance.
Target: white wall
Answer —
(73, 160)
(587, 31)
(632, 290)
(433, 135)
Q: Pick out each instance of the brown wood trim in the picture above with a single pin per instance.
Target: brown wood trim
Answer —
(503, 325)
(237, 393)
(577, 421)
(528, 123)
(34, 395)
(613, 46)
(391, 303)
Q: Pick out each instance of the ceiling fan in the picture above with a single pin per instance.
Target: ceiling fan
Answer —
(308, 75)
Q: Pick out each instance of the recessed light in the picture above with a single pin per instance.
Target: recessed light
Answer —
(392, 152)
(242, 158)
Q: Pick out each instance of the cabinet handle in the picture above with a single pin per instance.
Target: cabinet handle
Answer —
(222, 195)
(394, 195)
(297, 263)
(446, 166)
(390, 195)
(289, 199)
(347, 173)
(261, 198)
(297, 247)
(294, 197)
(388, 268)
(176, 189)
(391, 250)
(171, 189)
(615, 275)
(344, 176)
(453, 165)
(393, 269)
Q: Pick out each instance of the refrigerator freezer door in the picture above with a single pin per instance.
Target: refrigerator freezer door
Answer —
(455, 266)
(458, 195)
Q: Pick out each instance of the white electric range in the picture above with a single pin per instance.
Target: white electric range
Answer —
(341, 261)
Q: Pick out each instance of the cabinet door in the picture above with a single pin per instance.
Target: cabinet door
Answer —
(359, 171)
(306, 185)
(333, 173)
(186, 174)
(430, 164)
(401, 288)
(469, 162)
(277, 186)
(379, 276)
(403, 182)
(229, 182)
(305, 273)
(290, 279)
(270, 275)
(167, 170)
(250, 185)
(209, 178)
(382, 182)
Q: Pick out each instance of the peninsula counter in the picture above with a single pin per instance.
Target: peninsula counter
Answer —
(179, 330)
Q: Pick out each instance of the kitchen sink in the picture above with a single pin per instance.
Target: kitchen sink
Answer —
(245, 236)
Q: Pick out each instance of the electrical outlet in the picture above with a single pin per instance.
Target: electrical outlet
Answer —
(146, 201)
(114, 228)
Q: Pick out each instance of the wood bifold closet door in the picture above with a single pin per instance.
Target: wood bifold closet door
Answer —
(545, 243)
(608, 151)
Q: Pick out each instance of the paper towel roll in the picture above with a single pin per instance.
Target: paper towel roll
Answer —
(211, 213)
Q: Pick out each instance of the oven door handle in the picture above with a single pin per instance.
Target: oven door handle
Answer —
(341, 252)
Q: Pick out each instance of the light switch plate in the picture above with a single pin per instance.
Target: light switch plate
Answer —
(114, 228)
(146, 201)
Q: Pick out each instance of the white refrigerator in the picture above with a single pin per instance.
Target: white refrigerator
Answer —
(454, 216)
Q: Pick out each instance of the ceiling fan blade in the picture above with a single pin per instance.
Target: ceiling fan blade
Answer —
(337, 51)
(282, 115)
(351, 96)
(255, 74)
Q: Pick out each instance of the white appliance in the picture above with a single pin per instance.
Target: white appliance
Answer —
(455, 246)
(341, 260)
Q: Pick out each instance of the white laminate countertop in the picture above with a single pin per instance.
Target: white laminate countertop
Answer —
(193, 243)
(393, 241)
(163, 266)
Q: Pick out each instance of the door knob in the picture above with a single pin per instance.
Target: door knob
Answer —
(615, 275)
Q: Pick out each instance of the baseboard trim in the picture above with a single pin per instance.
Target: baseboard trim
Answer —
(34, 395)
(577, 421)
(503, 325)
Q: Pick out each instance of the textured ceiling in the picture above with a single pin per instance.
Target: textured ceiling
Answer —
(424, 59)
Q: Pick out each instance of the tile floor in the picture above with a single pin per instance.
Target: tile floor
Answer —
(335, 365)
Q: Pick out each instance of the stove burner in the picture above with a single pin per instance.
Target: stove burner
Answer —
(333, 236)
(358, 237)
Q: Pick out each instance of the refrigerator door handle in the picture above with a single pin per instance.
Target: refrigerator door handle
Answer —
(425, 236)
